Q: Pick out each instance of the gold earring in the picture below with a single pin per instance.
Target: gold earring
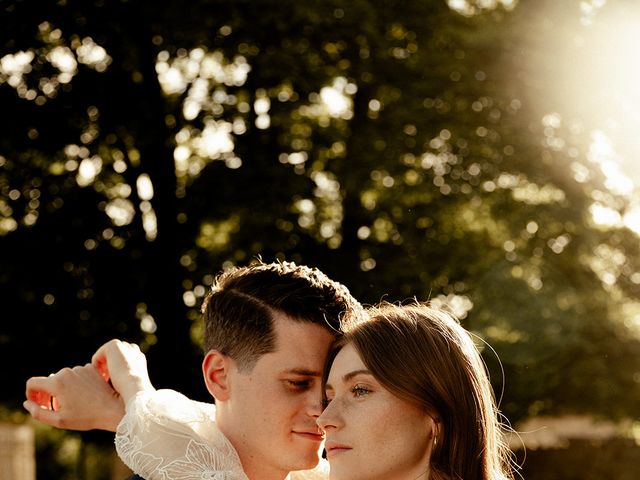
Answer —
(436, 432)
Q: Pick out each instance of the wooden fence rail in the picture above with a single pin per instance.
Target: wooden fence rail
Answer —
(17, 452)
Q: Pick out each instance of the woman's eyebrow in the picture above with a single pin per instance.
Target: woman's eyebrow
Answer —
(348, 376)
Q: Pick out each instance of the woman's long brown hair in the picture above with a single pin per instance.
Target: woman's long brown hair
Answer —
(423, 355)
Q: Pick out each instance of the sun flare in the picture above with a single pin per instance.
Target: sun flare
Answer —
(591, 71)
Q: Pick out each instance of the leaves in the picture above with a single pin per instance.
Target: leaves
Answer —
(397, 147)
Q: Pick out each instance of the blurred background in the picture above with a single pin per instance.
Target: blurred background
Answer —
(482, 154)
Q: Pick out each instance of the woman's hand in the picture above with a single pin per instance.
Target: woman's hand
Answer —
(75, 398)
(125, 365)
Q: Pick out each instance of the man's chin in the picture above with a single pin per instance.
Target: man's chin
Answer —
(307, 461)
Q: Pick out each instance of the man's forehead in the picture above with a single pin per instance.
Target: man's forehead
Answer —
(296, 363)
(301, 371)
(301, 348)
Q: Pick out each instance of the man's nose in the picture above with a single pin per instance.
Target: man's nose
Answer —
(314, 406)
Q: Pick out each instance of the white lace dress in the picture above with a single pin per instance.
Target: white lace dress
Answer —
(166, 436)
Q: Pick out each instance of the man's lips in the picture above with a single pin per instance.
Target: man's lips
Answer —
(315, 436)
(334, 448)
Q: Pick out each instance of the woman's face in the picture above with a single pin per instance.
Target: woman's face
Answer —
(370, 433)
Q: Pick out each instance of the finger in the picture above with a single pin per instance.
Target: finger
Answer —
(41, 398)
(40, 413)
(39, 383)
(103, 370)
(40, 390)
(99, 359)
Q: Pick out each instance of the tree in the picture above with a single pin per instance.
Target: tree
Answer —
(148, 148)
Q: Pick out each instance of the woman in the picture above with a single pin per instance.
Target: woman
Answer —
(408, 397)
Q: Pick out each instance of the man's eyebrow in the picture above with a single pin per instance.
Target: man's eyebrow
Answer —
(303, 372)
(348, 376)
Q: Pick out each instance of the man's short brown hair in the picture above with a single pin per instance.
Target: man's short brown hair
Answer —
(238, 313)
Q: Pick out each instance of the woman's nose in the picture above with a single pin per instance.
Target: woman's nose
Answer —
(330, 417)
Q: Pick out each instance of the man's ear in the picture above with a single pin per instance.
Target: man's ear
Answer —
(216, 368)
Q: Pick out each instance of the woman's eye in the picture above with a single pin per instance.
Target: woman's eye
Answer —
(326, 401)
(360, 391)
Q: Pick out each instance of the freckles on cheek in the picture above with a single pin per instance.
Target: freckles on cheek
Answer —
(385, 419)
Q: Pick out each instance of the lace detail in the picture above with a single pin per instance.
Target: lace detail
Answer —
(166, 436)
(199, 462)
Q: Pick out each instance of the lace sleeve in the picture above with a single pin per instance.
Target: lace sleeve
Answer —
(166, 436)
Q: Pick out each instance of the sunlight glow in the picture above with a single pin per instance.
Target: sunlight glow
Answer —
(337, 98)
(601, 152)
(473, 7)
(215, 236)
(121, 211)
(64, 60)
(604, 216)
(149, 221)
(147, 322)
(333, 101)
(144, 187)
(195, 149)
(592, 72)
(214, 140)
(631, 218)
(14, 66)
(88, 170)
(92, 54)
(7, 225)
(607, 263)
(589, 10)
(336, 102)
(175, 74)
(262, 105)
(458, 305)
(534, 194)
(631, 315)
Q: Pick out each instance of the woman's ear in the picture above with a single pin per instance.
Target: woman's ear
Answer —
(216, 369)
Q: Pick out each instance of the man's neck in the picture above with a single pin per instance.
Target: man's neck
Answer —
(254, 468)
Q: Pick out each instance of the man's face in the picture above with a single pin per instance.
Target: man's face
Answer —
(275, 406)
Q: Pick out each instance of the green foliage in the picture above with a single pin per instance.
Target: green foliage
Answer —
(433, 173)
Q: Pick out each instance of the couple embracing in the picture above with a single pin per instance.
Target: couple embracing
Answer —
(296, 366)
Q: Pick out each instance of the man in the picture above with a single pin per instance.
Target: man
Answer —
(268, 329)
